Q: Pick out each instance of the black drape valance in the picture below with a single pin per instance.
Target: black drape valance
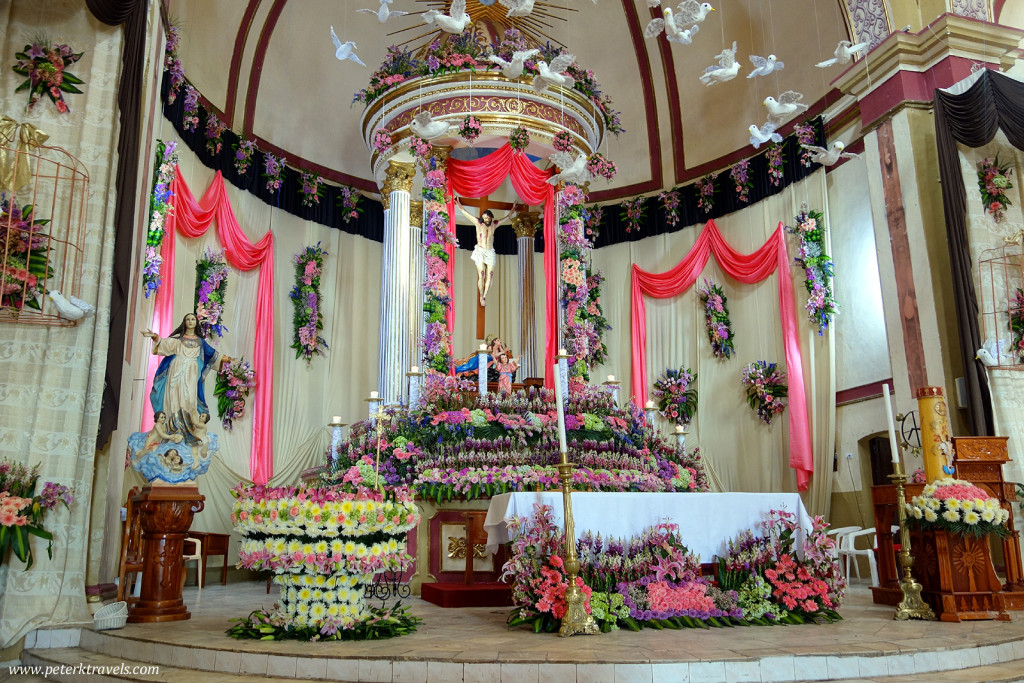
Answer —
(995, 102)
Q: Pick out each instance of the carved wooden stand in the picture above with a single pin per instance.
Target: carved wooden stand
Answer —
(957, 576)
(166, 517)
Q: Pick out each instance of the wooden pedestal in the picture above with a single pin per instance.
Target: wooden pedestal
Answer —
(956, 575)
(166, 513)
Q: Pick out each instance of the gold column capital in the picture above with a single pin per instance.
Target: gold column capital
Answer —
(442, 153)
(416, 213)
(398, 176)
(525, 223)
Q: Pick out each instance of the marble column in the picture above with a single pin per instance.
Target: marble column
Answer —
(525, 224)
(417, 323)
(394, 355)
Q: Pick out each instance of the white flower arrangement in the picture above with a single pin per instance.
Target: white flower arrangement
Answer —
(958, 506)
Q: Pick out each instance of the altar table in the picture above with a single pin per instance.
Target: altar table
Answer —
(706, 520)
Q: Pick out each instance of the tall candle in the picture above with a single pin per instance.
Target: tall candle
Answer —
(482, 347)
(336, 419)
(650, 405)
(561, 415)
(374, 394)
(611, 378)
(892, 429)
(563, 352)
(415, 368)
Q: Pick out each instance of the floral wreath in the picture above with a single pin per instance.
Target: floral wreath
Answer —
(766, 389)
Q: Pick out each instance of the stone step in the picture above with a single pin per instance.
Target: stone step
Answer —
(1007, 672)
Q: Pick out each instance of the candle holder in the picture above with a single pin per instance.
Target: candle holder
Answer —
(613, 387)
(681, 432)
(337, 436)
(563, 371)
(374, 402)
(415, 377)
(912, 605)
(576, 619)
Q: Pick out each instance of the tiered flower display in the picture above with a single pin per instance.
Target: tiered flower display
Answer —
(308, 319)
(817, 264)
(716, 319)
(22, 511)
(670, 204)
(1017, 323)
(348, 200)
(960, 507)
(470, 129)
(437, 344)
(235, 380)
(211, 286)
(766, 389)
(44, 67)
(244, 150)
(323, 546)
(159, 208)
(993, 182)
(26, 252)
(310, 188)
(273, 171)
(676, 394)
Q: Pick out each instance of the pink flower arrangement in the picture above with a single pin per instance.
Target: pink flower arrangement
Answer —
(676, 395)
(211, 287)
(420, 149)
(235, 380)
(821, 305)
(307, 319)
(214, 129)
(805, 136)
(670, 204)
(706, 192)
(796, 588)
(633, 212)
(382, 141)
(740, 175)
(959, 507)
(993, 182)
(595, 216)
(716, 319)
(44, 67)
(563, 141)
(244, 151)
(600, 167)
(519, 139)
(766, 389)
(22, 511)
(470, 129)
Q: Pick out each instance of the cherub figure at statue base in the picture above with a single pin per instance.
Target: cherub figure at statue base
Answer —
(170, 461)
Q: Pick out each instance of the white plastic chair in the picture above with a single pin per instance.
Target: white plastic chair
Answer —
(848, 551)
(839, 533)
(198, 557)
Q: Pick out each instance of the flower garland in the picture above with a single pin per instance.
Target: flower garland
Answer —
(959, 507)
(235, 380)
(805, 136)
(382, 141)
(27, 252)
(398, 65)
(22, 512)
(348, 200)
(470, 129)
(172, 64)
(190, 115)
(632, 212)
(214, 129)
(676, 392)
(159, 208)
(766, 389)
(821, 305)
(601, 167)
(273, 171)
(670, 204)
(776, 164)
(311, 188)
(308, 318)
(244, 151)
(716, 319)
(595, 217)
(44, 67)
(740, 174)
(583, 320)
(1017, 323)
(993, 182)
(211, 286)
(562, 141)
(706, 192)
(437, 343)
(519, 139)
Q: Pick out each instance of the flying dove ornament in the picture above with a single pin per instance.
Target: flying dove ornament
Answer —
(827, 157)
(554, 73)
(673, 31)
(513, 69)
(384, 13)
(764, 65)
(518, 8)
(844, 54)
(788, 105)
(73, 309)
(453, 22)
(725, 70)
(424, 125)
(692, 12)
(574, 170)
(345, 51)
(766, 133)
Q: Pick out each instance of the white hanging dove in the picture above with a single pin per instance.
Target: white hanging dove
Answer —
(453, 22)
(554, 73)
(653, 3)
(345, 50)
(424, 125)
(670, 24)
(574, 170)
(385, 12)
(518, 8)
(692, 12)
(827, 157)
(764, 65)
(75, 309)
(765, 133)
(513, 69)
(726, 69)
(788, 104)
(843, 54)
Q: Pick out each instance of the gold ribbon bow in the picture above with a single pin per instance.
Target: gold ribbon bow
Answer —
(15, 148)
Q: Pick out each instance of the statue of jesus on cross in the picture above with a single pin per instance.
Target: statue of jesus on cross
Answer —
(483, 253)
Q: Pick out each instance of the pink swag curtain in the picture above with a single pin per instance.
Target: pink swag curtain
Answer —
(751, 268)
(480, 177)
(191, 219)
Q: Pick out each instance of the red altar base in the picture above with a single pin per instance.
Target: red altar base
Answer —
(166, 517)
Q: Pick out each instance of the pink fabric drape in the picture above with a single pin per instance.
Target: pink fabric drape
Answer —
(749, 268)
(480, 177)
(191, 219)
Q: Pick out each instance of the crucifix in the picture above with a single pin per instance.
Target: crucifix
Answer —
(483, 254)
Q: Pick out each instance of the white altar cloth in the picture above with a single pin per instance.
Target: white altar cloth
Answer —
(706, 520)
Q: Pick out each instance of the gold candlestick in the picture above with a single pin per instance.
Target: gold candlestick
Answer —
(576, 619)
(912, 606)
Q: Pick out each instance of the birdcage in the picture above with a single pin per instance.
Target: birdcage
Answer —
(43, 203)
(1001, 304)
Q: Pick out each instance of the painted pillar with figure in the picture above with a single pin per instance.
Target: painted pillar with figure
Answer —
(395, 285)
(525, 225)
(936, 443)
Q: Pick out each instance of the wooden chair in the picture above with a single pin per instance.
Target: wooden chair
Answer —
(131, 551)
(475, 535)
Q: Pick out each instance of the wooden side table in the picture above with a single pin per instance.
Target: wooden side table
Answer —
(213, 544)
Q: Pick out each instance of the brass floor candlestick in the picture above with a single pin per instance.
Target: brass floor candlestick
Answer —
(576, 619)
(912, 606)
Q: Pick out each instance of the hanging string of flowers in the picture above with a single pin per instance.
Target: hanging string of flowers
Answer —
(273, 171)
(633, 212)
(190, 116)
(821, 305)
(716, 319)
(244, 150)
(235, 380)
(26, 253)
(311, 188)
(172, 65)
(1017, 323)
(437, 343)
(159, 208)
(44, 67)
(740, 174)
(519, 139)
(993, 182)
(766, 389)
(308, 318)
(470, 129)
(600, 166)
(670, 204)
(805, 136)
(584, 322)
(706, 192)
(214, 129)
(776, 164)
(348, 200)
(211, 286)
(676, 394)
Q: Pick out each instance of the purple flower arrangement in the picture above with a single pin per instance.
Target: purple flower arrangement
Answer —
(563, 141)
(44, 67)
(22, 512)
(273, 171)
(382, 141)
(519, 139)
(470, 129)
(670, 204)
(310, 188)
(818, 270)
(214, 129)
(190, 116)
(235, 381)
(437, 344)
(676, 395)
(308, 319)
(633, 211)
(740, 174)
(776, 164)
(348, 200)
(211, 286)
(172, 65)
(584, 323)
(805, 136)
(595, 216)
(766, 389)
(244, 151)
(706, 192)
(716, 319)
(159, 208)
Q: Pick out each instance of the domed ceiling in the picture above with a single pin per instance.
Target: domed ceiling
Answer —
(269, 66)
